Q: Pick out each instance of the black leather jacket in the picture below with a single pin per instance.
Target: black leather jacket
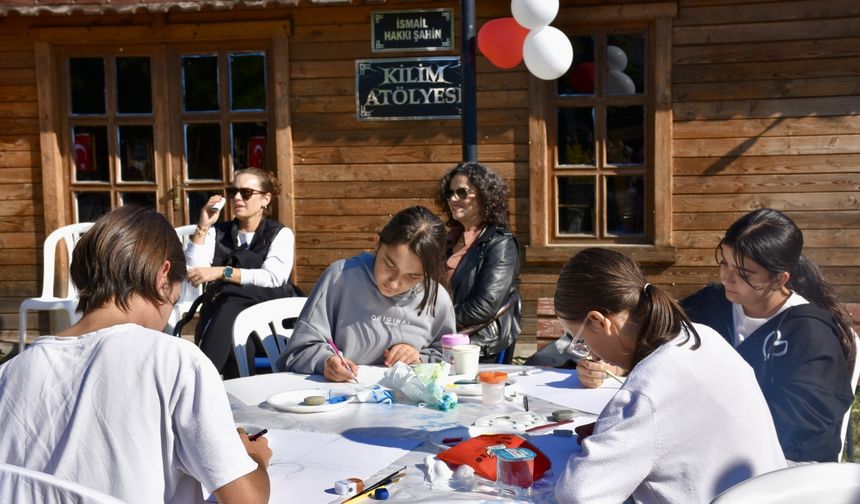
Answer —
(484, 281)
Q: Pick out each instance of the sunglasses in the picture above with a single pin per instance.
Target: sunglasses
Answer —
(246, 192)
(461, 193)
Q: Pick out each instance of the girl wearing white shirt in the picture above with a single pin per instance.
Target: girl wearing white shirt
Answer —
(689, 421)
(775, 307)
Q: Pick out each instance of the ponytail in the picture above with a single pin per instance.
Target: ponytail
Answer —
(610, 282)
(662, 318)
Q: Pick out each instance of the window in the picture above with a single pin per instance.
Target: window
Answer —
(222, 97)
(112, 133)
(159, 117)
(600, 159)
(599, 164)
(222, 110)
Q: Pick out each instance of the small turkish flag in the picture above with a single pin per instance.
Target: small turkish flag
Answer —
(257, 152)
(84, 153)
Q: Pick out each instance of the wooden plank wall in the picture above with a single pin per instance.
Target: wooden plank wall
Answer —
(765, 100)
(21, 223)
(767, 114)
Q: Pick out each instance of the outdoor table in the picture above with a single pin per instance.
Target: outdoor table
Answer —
(370, 440)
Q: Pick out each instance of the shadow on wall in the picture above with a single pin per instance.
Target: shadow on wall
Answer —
(738, 151)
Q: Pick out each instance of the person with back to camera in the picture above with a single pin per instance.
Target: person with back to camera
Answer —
(380, 308)
(259, 251)
(483, 259)
(689, 421)
(116, 405)
(775, 307)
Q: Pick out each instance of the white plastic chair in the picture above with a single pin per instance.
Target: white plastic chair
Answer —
(266, 319)
(188, 293)
(49, 300)
(829, 482)
(20, 485)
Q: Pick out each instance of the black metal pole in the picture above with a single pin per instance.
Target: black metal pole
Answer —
(468, 89)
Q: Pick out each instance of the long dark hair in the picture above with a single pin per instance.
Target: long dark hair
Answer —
(121, 256)
(773, 240)
(424, 233)
(609, 282)
(491, 190)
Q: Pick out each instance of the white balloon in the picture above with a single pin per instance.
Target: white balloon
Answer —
(616, 58)
(547, 53)
(533, 14)
(619, 83)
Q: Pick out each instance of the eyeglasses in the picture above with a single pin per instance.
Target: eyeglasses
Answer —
(246, 192)
(461, 193)
(577, 346)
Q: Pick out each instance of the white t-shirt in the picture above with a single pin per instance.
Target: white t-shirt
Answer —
(275, 270)
(128, 411)
(686, 425)
(746, 325)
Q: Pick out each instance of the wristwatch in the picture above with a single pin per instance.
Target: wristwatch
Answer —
(228, 272)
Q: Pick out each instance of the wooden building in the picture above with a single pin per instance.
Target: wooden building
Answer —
(723, 106)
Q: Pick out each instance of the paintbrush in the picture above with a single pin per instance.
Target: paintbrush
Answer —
(384, 481)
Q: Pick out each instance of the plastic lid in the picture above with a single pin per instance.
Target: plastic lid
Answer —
(449, 340)
(515, 454)
(492, 377)
(380, 493)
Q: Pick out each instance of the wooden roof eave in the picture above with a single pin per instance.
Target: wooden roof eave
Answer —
(65, 8)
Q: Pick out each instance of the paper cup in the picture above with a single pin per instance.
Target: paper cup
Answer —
(466, 359)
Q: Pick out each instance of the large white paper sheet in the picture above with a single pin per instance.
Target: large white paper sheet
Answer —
(562, 387)
(306, 464)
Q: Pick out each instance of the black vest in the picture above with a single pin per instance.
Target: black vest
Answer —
(227, 235)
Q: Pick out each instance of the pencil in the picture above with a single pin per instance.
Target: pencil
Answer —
(254, 437)
(609, 373)
(342, 360)
(614, 376)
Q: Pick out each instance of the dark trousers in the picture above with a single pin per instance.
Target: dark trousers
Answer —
(216, 337)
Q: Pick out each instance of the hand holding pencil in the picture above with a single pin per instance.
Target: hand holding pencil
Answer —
(592, 372)
(338, 368)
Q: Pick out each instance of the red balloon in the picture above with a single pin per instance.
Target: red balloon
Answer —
(581, 78)
(501, 41)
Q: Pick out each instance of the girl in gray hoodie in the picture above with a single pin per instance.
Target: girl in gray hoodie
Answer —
(379, 309)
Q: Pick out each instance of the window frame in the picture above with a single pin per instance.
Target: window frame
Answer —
(655, 22)
(112, 120)
(224, 117)
(53, 45)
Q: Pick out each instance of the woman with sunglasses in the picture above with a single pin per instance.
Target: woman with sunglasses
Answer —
(778, 311)
(251, 255)
(689, 421)
(378, 309)
(483, 261)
